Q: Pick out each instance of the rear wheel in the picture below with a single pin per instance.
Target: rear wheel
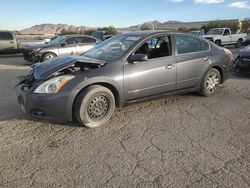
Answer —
(48, 56)
(211, 82)
(94, 106)
(239, 43)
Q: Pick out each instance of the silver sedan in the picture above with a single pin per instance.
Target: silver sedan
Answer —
(60, 46)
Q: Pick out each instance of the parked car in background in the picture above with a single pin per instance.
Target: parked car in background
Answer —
(248, 39)
(121, 70)
(224, 36)
(10, 43)
(242, 62)
(198, 32)
(60, 46)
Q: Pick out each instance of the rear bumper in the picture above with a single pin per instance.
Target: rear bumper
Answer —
(51, 107)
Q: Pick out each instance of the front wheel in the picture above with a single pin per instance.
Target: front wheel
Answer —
(48, 56)
(211, 82)
(218, 42)
(94, 106)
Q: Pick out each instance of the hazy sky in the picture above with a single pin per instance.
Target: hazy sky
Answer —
(20, 14)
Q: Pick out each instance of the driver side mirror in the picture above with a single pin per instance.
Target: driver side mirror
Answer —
(137, 57)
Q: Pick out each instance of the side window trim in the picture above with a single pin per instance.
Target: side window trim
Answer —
(71, 38)
(151, 37)
(85, 38)
(176, 50)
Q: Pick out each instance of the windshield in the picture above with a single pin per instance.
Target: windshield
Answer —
(113, 48)
(215, 32)
(57, 40)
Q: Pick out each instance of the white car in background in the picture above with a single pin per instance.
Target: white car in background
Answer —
(224, 36)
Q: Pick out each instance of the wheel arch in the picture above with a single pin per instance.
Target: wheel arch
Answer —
(217, 67)
(43, 53)
(117, 92)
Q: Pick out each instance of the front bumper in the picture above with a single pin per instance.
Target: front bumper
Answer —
(241, 65)
(31, 56)
(51, 107)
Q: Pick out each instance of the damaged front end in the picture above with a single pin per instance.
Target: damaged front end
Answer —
(39, 93)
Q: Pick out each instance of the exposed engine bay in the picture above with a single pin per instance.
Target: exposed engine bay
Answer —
(47, 70)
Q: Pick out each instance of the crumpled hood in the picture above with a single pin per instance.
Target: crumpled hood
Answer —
(42, 71)
(36, 46)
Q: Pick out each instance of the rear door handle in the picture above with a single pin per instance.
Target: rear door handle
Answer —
(11, 42)
(169, 66)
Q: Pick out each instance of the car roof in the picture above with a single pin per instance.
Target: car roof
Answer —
(219, 28)
(148, 32)
(75, 35)
(6, 31)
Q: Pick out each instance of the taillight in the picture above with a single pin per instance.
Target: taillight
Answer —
(229, 54)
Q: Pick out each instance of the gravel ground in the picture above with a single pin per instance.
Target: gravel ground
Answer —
(177, 141)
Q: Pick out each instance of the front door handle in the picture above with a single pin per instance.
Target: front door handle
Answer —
(169, 66)
(11, 42)
(205, 58)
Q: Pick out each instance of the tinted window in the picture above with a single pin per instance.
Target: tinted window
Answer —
(71, 41)
(6, 36)
(156, 47)
(188, 44)
(86, 40)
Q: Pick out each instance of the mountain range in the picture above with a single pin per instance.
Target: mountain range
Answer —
(53, 29)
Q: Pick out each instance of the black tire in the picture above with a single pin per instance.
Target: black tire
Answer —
(218, 42)
(206, 83)
(48, 55)
(239, 43)
(94, 106)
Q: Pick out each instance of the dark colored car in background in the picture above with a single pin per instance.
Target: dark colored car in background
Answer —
(242, 62)
(126, 68)
(60, 46)
(100, 36)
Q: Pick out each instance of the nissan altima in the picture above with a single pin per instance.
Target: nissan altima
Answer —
(123, 69)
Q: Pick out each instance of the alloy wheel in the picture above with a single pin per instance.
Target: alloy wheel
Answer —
(212, 82)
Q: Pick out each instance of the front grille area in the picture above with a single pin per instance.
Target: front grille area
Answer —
(26, 54)
(28, 80)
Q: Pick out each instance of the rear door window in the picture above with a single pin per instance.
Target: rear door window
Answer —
(6, 36)
(83, 40)
(190, 44)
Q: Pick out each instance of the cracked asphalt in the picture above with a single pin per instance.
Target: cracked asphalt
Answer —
(176, 141)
